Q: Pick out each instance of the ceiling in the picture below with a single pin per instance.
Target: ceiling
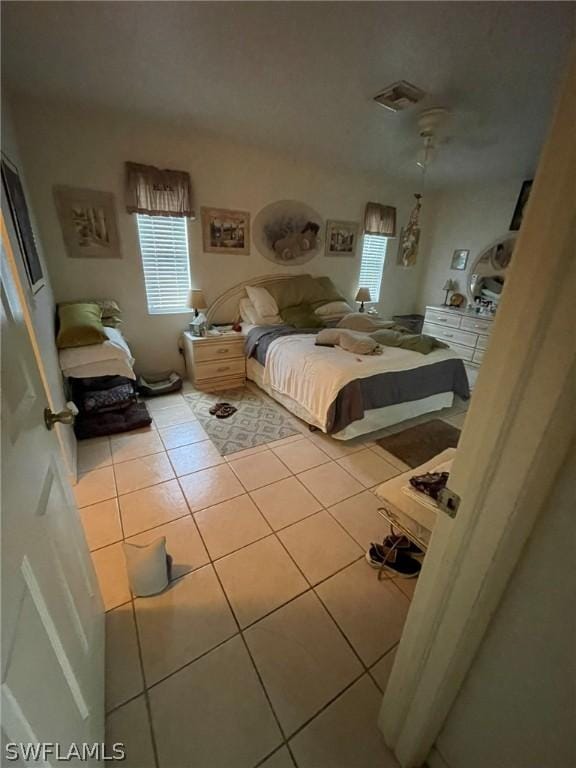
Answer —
(300, 76)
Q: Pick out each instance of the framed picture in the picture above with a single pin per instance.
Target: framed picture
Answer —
(341, 238)
(22, 224)
(459, 259)
(520, 205)
(225, 231)
(88, 221)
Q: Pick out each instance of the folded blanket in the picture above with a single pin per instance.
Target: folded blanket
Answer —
(357, 343)
(415, 342)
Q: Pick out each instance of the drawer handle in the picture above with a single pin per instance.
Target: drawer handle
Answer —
(442, 319)
(223, 350)
(224, 369)
(449, 335)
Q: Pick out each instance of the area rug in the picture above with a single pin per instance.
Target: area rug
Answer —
(257, 420)
(416, 445)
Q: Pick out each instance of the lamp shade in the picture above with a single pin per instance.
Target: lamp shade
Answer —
(448, 285)
(196, 300)
(363, 294)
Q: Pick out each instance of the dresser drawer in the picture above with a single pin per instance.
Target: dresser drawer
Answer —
(466, 353)
(450, 335)
(482, 342)
(219, 369)
(442, 318)
(478, 355)
(476, 325)
(218, 351)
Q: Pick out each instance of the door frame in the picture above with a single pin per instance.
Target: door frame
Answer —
(517, 433)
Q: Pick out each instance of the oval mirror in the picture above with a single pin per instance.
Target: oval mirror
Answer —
(487, 273)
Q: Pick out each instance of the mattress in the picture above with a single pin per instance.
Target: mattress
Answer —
(111, 358)
(374, 419)
(337, 388)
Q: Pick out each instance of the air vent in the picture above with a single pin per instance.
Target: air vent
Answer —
(399, 96)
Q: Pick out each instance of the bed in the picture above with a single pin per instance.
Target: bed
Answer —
(341, 393)
(111, 358)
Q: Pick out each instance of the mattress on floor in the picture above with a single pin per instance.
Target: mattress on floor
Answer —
(111, 358)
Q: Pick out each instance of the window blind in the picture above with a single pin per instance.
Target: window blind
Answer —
(373, 255)
(164, 251)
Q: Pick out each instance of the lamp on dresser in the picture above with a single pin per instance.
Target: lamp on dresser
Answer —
(362, 296)
(196, 301)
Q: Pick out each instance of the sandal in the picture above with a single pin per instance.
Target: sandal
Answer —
(217, 407)
(225, 411)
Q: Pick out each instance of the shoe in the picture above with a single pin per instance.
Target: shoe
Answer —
(393, 560)
(403, 544)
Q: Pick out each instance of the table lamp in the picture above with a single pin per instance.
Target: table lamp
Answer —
(362, 296)
(196, 301)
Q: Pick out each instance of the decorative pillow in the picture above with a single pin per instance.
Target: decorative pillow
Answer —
(328, 337)
(301, 316)
(147, 567)
(324, 291)
(247, 311)
(334, 309)
(264, 304)
(249, 314)
(111, 312)
(300, 289)
(80, 326)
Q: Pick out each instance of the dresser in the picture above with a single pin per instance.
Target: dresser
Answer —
(466, 332)
(215, 362)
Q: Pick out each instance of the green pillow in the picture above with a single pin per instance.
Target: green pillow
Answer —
(80, 325)
(290, 293)
(301, 316)
(324, 292)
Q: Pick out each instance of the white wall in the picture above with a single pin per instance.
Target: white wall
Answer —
(516, 707)
(89, 150)
(468, 217)
(41, 305)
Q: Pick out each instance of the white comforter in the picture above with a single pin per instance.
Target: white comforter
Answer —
(313, 376)
(111, 358)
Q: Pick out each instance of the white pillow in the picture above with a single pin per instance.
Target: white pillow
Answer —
(334, 309)
(264, 304)
(247, 312)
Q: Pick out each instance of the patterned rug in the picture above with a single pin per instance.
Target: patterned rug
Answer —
(256, 421)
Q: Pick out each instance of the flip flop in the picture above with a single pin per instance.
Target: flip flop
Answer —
(225, 411)
(216, 408)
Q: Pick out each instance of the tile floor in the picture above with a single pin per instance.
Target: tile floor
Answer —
(274, 641)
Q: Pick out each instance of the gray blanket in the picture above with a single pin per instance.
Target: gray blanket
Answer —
(378, 391)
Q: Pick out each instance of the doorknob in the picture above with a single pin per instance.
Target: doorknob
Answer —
(65, 416)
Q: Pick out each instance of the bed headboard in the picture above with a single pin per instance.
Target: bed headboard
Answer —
(224, 309)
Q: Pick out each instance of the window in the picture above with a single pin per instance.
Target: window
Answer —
(373, 255)
(164, 250)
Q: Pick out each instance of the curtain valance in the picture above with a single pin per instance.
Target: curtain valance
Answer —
(158, 192)
(380, 220)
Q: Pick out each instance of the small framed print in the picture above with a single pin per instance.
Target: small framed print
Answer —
(225, 231)
(341, 237)
(459, 259)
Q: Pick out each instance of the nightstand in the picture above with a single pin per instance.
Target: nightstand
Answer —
(215, 362)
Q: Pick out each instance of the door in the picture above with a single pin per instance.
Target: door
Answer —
(52, 659)
(515, 440)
